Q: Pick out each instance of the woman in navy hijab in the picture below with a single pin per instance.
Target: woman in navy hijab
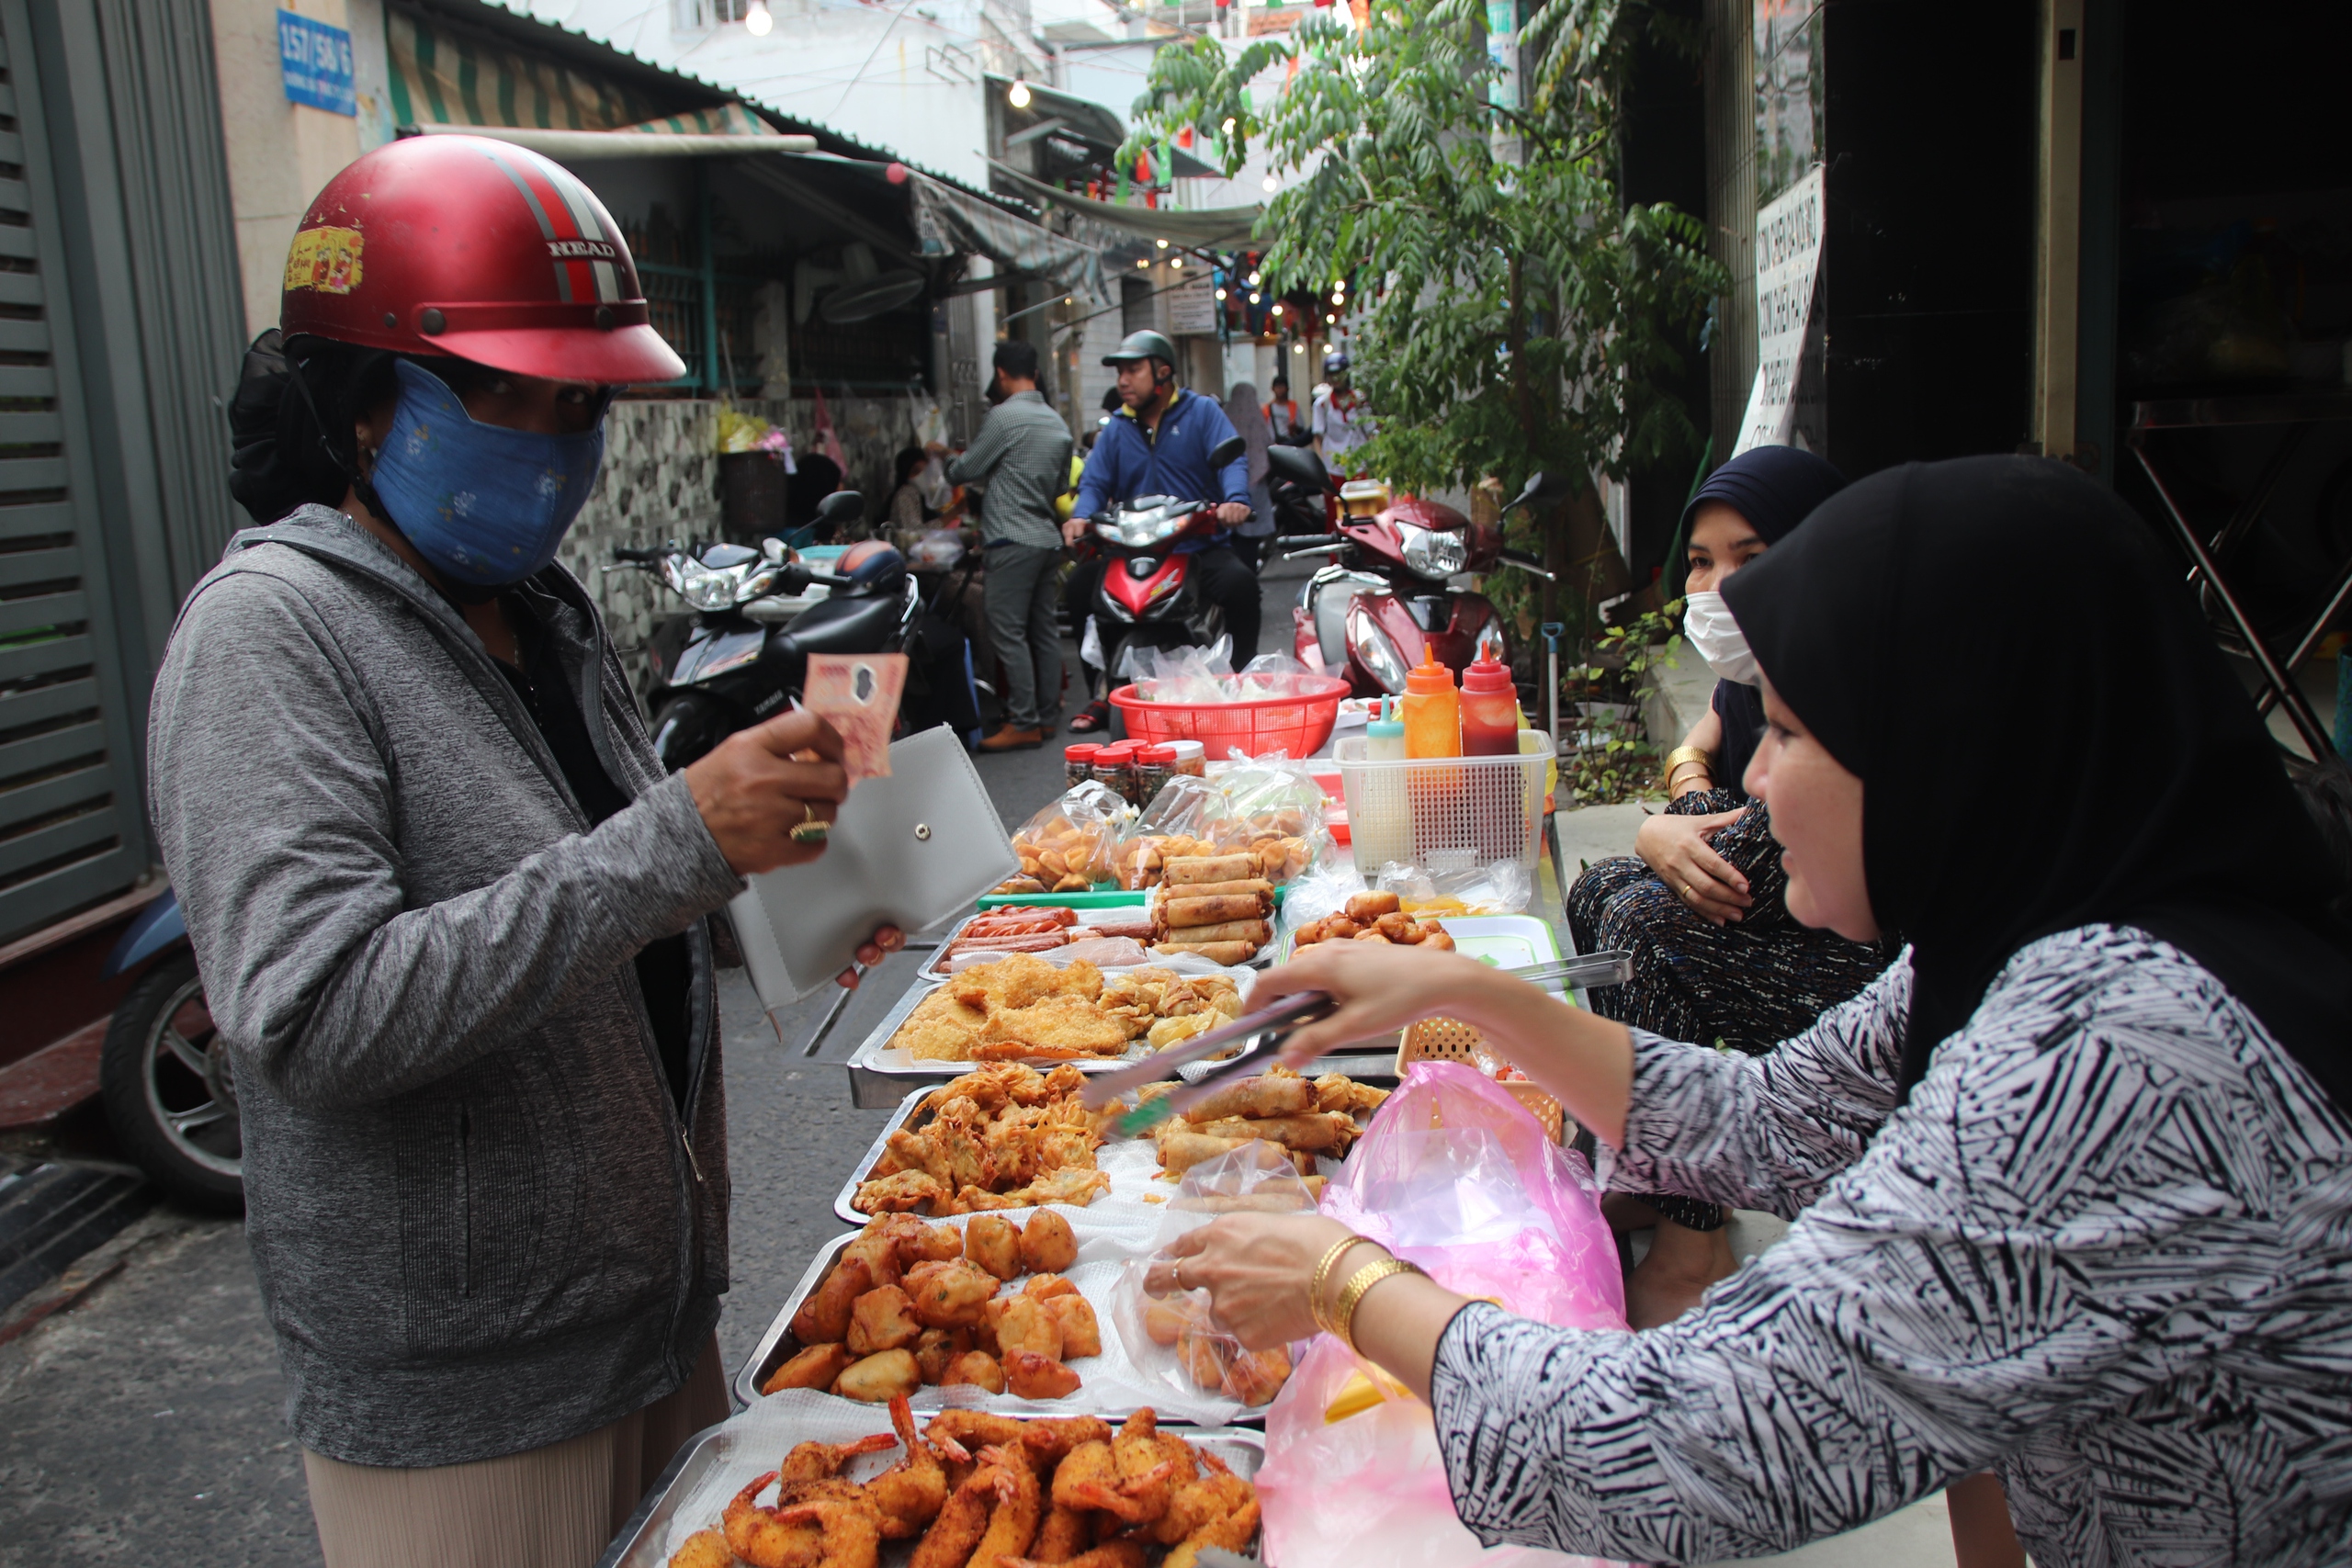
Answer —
(1716, 957)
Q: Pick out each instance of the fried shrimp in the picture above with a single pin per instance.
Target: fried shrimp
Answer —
(821, 1461)
(704, 1548)
(1013, 1523)
(1110, 1554)
(848, 1535)
(760, 1537)
(908, 1494)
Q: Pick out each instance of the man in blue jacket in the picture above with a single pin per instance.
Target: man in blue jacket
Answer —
(1159, 443)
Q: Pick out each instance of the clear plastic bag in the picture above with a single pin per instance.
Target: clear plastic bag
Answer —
(1497, 888)
(1182, 674)
(1068, 847)
(1170, 1336)
(1271, 810)
(1454, 1176)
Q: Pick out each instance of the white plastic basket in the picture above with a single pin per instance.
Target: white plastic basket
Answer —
(1445, 813)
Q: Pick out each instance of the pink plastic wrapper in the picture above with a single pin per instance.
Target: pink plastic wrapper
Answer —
(1456, 1176)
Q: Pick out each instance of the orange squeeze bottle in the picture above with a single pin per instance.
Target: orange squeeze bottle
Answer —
(1432, 711)
(1489, 710)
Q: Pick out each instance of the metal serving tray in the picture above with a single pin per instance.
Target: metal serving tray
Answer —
(640, 1542)
(1377, 1070)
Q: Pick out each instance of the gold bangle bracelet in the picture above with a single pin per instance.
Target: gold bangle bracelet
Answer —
(1681, 754)
(1323, 1276)
(1351, 1294)
(1674, 774)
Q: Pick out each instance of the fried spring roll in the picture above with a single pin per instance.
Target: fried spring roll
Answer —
(1188, 870)
(1181, 1151)
(1175, 912)
(1314, 1132)
(1258, 931)
(1256, 1097)
(1225, 953)
(1258, 887)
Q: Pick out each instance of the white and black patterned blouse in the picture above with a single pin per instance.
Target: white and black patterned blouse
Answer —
(2106, 1251)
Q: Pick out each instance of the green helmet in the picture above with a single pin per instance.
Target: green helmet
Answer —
(1143, 346)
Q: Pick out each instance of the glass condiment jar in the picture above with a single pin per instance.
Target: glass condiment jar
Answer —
(1077, 764)
(1153, 766)
(1114, 767)
(1192, 758)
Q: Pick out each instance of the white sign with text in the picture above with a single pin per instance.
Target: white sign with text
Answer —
(1788, 259)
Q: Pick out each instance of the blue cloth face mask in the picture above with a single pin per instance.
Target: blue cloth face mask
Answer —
(487, 506)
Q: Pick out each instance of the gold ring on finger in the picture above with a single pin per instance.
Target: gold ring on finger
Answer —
(811, 828)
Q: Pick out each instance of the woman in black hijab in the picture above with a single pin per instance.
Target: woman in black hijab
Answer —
(2070, 1183)
(1715, 955)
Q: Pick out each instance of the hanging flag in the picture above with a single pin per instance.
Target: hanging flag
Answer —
(1143, 168)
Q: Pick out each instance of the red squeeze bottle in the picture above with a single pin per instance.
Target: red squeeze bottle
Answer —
(1489, 710)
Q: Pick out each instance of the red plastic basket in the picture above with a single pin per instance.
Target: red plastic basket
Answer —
(1297, 725)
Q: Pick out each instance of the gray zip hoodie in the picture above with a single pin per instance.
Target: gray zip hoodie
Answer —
(479, 1222)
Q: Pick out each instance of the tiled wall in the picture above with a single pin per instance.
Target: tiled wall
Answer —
(659, 481)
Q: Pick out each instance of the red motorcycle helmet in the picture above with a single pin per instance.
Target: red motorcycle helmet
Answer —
(467, 246)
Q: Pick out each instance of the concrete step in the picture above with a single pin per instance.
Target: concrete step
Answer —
(52, 1212)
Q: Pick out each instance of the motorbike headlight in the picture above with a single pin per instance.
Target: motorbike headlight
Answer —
(1434, 552)
(759, 585)
(1377, 650)
(707, 590)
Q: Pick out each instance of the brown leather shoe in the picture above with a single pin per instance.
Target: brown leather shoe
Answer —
(1012, 739)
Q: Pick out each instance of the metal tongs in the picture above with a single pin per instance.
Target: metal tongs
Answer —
(1261, 1035)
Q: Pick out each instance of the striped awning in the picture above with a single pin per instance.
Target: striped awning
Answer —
(456, 78)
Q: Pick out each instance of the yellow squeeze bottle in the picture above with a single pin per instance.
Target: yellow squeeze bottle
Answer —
(1432, 710)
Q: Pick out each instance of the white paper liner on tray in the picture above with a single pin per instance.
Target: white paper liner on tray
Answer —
(756, 1441)
(887, 1057)
(1115, 1228)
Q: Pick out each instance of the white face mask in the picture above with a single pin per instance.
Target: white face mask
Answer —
(1706, 621)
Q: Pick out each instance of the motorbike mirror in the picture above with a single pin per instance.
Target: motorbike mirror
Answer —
(1300, 467)
(1226, 450)
(842, 506)
(1541, 486)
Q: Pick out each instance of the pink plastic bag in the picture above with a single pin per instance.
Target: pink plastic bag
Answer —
(1456, 1176)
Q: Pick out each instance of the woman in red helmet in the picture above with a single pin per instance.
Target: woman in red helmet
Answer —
(456, 924)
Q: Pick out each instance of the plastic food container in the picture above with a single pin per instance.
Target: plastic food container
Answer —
(1192, 758)
(1297, 725)
(1445, 813)
(1077, 764)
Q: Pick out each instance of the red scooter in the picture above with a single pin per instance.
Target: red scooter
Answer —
(1388, 596)
(1149, 596)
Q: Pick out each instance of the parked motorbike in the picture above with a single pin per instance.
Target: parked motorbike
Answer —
(744, 652)
(164, 1073)
(1389, 593)
(1151, 597)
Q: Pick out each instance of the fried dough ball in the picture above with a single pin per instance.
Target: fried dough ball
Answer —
(1082, 1331)
(879, 1251)
(880, 1378)
(1025, 1324)
(1203, 1357)
(1032, 1376)
(823, 1319)
(883, 1320)
(1165, 1318)
(977, 1368)
(936, 1347)
(816, 1366)
(1048, 1244)
(1046, 1287)
(993, 1243)
(949, 1294)
(1256, 1376)
(1370, 906)
(932, 1243)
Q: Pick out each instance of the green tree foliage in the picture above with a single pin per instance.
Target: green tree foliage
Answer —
(1507, 317)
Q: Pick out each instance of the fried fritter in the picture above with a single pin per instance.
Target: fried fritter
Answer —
(1056, 1023)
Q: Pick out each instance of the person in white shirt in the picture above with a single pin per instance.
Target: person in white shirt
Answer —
(1340, 422)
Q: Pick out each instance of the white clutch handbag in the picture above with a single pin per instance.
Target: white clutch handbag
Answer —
(908, 851)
